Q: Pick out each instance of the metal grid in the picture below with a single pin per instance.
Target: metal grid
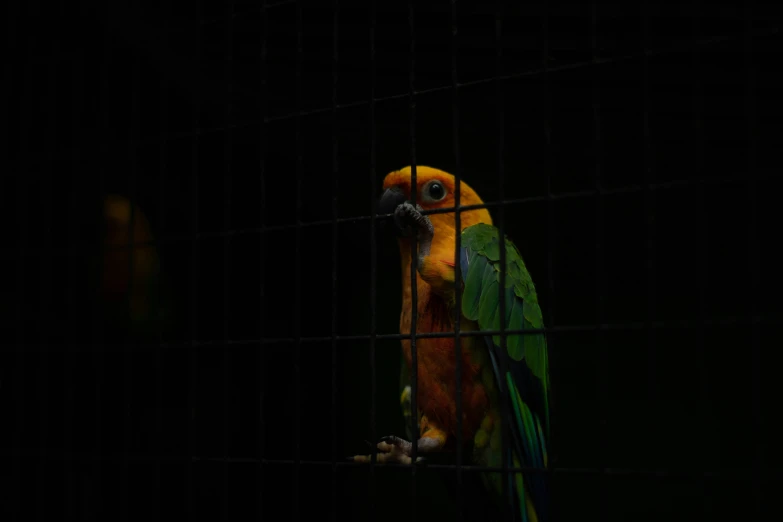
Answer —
(649, 188)
(297, 340)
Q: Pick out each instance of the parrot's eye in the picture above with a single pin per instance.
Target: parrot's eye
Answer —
(434, 191)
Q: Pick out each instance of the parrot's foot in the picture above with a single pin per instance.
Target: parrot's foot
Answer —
(407, 217)
(393, 449)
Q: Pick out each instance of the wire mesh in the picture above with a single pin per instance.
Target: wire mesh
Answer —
(285, 249)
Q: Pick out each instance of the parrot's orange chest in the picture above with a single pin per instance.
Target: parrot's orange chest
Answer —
(437, 365)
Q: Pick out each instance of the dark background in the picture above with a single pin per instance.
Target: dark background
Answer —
(637, 148)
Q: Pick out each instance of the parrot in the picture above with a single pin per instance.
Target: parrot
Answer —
(518, 372)
(142, 289)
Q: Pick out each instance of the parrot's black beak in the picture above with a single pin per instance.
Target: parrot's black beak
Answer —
(391, 199)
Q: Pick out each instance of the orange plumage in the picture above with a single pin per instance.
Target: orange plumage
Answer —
(435, 297)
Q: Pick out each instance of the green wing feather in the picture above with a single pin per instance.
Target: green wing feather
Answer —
(522, 370)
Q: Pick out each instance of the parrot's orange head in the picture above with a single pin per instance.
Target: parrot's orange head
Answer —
(434, 189)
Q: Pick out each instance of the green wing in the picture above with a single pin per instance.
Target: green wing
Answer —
(522, 370)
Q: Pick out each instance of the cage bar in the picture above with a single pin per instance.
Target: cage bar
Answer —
(698, 144)
(132, 247)
(739, 320)
(689, 472)
(759, 458)
(68, 377)
(194, 287)
(414, 262)
(505, 400)
(649, 200)
(260, 422)
(457, 256)
(22, 358)
(373, 259)
(162, 254)
(20, 355)
(45, 285)
(600, 269)
(550, 223)
(298, 271)
(576, 194)
(227, 178)
(664, 474)
(98, 334)
(335, 245)
(589, 193)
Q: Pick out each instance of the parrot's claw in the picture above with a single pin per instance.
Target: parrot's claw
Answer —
(391, 449)
(394, 440)
(400, 219)
(407, 217)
